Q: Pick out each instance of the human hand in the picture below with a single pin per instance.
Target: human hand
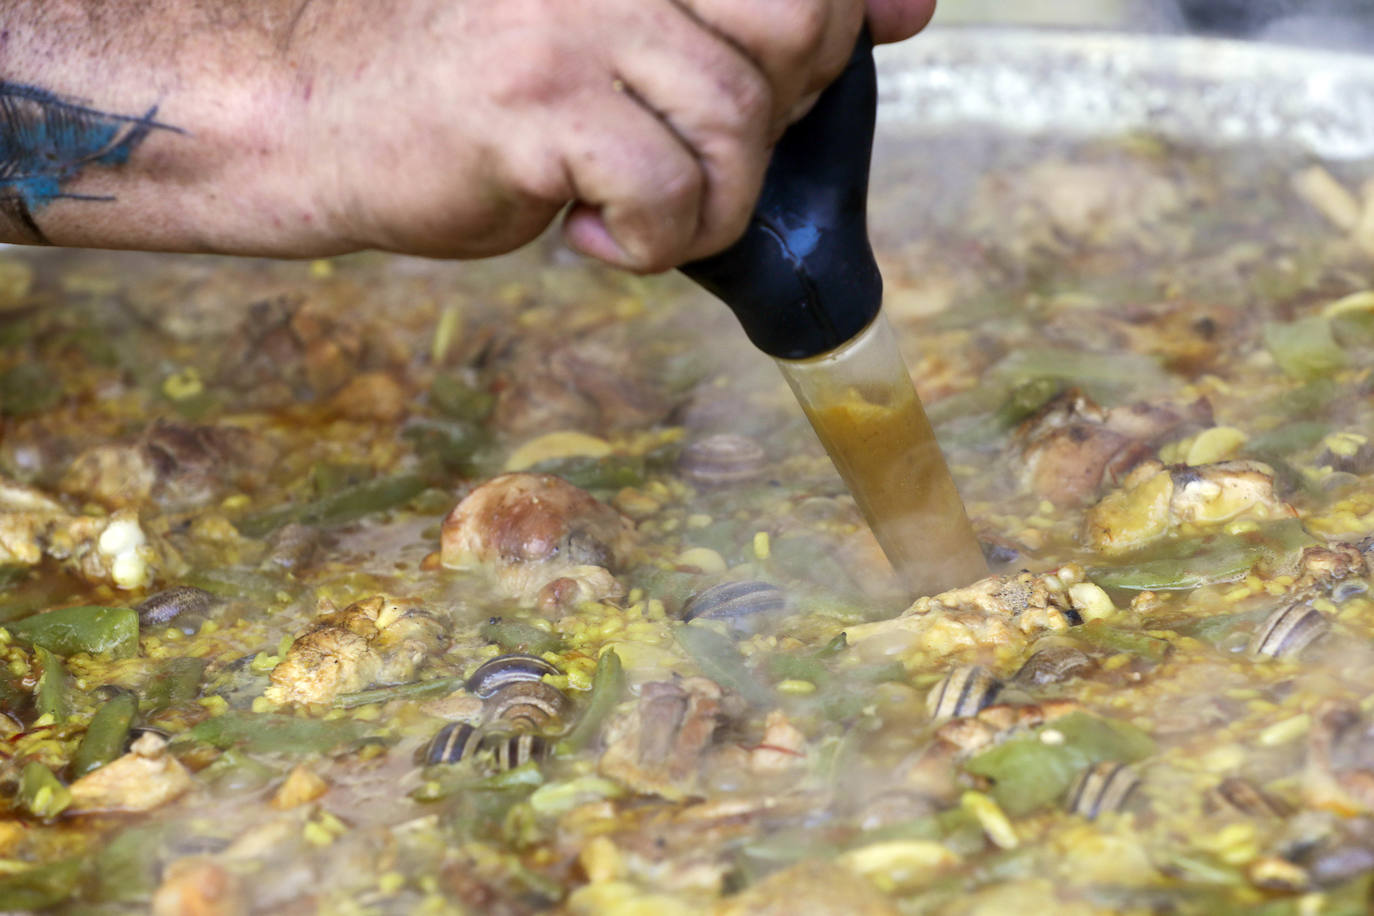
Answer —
(462, 129)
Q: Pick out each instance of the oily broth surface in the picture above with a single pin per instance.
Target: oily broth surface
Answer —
(1131, 270)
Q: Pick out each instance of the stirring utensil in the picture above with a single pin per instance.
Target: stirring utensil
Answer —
(804, 284)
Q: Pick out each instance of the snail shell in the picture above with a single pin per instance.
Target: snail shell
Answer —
(526, 706)
(171, 603)
(1247, 798)
(964, 691)
(1053, 664)
(1102, 787)
(734, 601)
(492, 675)
(512, 751)
(1288, 630)
(722, 459)
(452, 743)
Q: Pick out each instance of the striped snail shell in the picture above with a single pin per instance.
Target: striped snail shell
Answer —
(965, 691)
(1102, 787)
(1288, 630)
(496, 673)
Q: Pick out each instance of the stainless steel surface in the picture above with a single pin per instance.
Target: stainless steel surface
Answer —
(1080, 84)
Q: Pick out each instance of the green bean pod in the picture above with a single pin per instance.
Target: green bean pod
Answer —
(51, 696)
(608, 683)
(42, 793)
(105, 736)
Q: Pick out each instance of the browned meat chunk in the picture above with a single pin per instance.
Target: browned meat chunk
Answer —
(374, 396)
(1071, 446)
(989, 621)
(533, 530)
(288, 348)
(658, 747)
(145, 778)
(376, 640)
(1155, 500)
(175, 465)
(588, 383)
(104, 550)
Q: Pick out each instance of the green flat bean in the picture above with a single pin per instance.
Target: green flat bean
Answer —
(798, 667)
(52, 696)
(177, 682)
(1304, 349)
(126, 869)
(91, 628)
(609, 473)
(719, 660)
(608, 684)
(346, 505)
(1120, 639)
(105, 736)
(518, 636)
(412, 691)
(277, 733)
(41, 887)
(452, 398)
(41, 793)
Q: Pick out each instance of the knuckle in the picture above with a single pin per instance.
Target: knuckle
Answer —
(680, 189)
(748, 100)
(528, 78)
(806, 27)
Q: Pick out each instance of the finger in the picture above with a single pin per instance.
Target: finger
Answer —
(898, 20)
(800, 45)
(638, 190)
(720, 105)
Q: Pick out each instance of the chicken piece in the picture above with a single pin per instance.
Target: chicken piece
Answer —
(375, 396)
(531, 530)
(994, 618)
(172, 464)
(145, 778)
(198, 886)
(658, 748)
(1325, 565)
(27, 515)
(809, 889)
(116, 476)
(112, 550)
(1155, 500)
(374, 641)
(116, 550)
(289, 348)
(1071, 446)
(587, 383)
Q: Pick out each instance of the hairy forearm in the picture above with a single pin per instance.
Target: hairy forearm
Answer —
(453, 128)
(166, 124)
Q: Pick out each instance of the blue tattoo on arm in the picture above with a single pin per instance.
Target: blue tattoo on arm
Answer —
(45, 142)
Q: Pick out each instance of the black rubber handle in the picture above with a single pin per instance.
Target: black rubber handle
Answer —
(802, 280)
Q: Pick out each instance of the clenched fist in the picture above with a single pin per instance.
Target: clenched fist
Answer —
(450, 128)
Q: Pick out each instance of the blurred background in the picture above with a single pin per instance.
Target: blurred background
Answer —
(1337, 24)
